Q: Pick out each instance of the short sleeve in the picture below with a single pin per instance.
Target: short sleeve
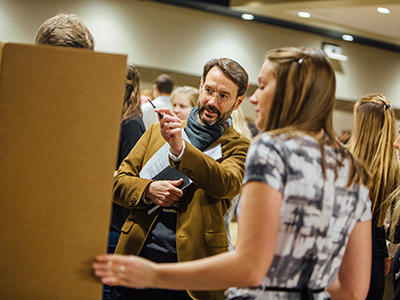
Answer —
(264, 163)
(365, 205)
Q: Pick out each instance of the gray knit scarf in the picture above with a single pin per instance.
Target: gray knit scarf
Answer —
(203, 136)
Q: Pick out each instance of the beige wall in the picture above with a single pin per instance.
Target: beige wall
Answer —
(180, 40)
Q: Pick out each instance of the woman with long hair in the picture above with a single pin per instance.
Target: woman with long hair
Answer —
(132, 128)
(374, 134)
(305, 217)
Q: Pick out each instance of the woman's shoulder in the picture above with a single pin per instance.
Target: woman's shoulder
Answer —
(286, 140)
(133, 121)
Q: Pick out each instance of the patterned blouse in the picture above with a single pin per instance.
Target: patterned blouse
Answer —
(317, 214)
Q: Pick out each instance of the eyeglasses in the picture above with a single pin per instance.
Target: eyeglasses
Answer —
(209, 93)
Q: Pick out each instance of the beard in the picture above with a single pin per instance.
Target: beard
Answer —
(219, 120)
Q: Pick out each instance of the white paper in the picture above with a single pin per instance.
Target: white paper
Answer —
(214, 152)
(159, 161)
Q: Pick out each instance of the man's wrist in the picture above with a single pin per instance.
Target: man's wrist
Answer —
(174, 153)
(144, 198)
(174, 157)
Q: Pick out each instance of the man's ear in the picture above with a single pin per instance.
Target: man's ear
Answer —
(201, 84)
(238, 102)
(155, 91)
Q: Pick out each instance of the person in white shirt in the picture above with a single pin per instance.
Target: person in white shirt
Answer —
(162, 89)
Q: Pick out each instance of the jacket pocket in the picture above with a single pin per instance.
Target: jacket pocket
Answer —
(216, 239)
(127, 226)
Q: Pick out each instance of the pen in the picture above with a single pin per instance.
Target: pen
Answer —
(160, 115)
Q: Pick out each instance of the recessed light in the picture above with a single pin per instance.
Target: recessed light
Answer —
(248, 17)
(304, 14)
(383, 10)
(347, 37)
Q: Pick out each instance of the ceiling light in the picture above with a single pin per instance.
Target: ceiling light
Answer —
(383, 10)
(247, 17)
(347, 37)
(334, 52)
(303, 14)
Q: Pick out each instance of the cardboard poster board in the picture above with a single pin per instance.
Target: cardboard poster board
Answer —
(59, 128)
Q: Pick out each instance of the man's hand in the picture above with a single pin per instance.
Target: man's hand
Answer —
(171, 130)
(164, 192)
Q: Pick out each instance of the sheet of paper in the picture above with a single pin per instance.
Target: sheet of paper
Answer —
(214, 152)
(159, 161)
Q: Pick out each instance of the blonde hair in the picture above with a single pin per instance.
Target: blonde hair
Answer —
(191, 92)
(305, 99)
(239, 123)
(372, 142)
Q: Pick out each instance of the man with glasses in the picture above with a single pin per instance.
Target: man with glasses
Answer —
(170, 224)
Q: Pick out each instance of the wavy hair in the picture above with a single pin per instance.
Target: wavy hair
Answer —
(131, 107)
(374, 133)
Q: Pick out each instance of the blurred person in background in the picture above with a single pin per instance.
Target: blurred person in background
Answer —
(183, 99)
(145, 95)
(162, 89)
(374, 134)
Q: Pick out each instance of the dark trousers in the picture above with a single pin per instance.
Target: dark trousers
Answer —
(396, 274)
(159, 247)
(377, 284)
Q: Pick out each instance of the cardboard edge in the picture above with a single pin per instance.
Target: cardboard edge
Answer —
(2, 46)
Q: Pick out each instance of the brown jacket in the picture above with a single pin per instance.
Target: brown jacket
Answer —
(200, 230)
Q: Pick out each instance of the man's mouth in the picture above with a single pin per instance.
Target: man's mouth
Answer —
(210, 112)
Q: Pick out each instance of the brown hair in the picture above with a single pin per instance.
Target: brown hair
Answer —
(164, 84)
(131, 107)
(232, 69)
(304, 100)
(65, 30)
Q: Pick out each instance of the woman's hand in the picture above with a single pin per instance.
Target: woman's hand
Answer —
(128, 271)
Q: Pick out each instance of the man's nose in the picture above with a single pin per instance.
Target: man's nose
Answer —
(213, 100)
